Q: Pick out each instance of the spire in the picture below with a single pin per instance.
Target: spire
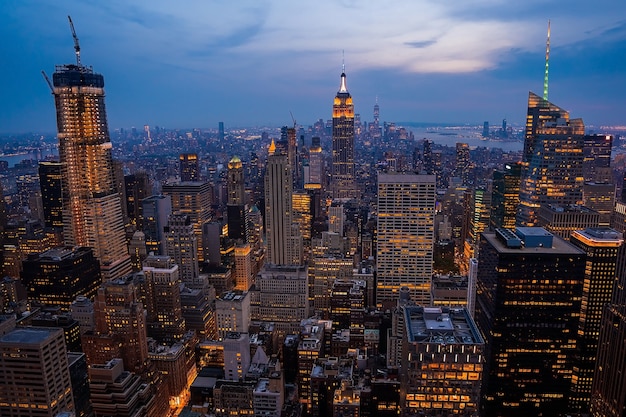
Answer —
(343, 88)
(272, 148)
(545, 79)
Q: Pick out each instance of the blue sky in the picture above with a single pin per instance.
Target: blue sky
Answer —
(192, 63)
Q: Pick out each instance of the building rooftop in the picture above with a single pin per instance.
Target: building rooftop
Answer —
(28, 335)
(559, 246)
(441, 325)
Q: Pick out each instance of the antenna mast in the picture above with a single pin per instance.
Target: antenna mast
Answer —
(76, 44)
(545, 79)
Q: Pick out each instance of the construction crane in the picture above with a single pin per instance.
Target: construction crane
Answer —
(76, 44)
(292, 118)
(45, 76)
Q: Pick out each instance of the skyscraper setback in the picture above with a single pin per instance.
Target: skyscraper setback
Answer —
(343, 180)
(92, 210)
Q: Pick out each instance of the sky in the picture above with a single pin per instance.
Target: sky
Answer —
(193, 63)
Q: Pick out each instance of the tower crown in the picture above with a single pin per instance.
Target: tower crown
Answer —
(343, 88)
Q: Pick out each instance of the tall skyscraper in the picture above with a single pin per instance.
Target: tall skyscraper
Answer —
(236, 205)
(601, 246)
(92, 207)
(343, 174)
(284, 244)
(189, 167)
(505, 196)
(51, 195)
(406, 223)
(528, 302)
(316, 163)
(463, 162)
(552, 163)
(34, 373)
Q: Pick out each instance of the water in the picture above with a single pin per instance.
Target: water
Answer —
(38, 155)
(450, 136)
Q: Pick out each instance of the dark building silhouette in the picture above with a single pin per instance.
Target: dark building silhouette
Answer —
(137, 187)
(528, 299)
(51, 195)
(58, 276)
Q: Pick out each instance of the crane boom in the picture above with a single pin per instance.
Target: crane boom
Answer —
(45, 76)
(76, 44)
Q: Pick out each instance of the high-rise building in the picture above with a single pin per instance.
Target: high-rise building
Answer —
(284, 244)
(189, 167)
(316, 163)
(601, 246)
(34, 373)
(120, 327)
(552, 163)
(597, 158)
(137, 187)
(182, 246)
(236, 206)
(232, 313)
(608, 397)
(164, 316)
(57, 276)
(193, 199)
(155, 212)
(528, 302)
(92, 207)
(463, 163)
(243, 267)
(220, 131)
(600, 197)
(561, 221)
(51, 195)
(283, 297)
(406, 223)
(505, 196)
(439, 342)
(343, 179)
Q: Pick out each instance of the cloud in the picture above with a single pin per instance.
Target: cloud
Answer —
(421, 44)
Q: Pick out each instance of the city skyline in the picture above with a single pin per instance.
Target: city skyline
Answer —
(191, 67)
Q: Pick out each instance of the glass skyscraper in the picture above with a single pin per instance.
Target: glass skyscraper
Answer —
(552, 164)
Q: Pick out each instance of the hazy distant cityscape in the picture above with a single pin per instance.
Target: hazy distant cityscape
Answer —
(352, 266)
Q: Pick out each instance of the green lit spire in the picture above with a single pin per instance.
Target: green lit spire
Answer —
(545, 79)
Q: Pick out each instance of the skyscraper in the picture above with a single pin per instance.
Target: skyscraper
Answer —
(51, 195)
(552, 164)
(189, 167)
(601, 246)
(406, 223)
(343, 174)
(155, 212)
(284, 244)
(505, 196)
(528, 301)
(236, 206)
(92, 207)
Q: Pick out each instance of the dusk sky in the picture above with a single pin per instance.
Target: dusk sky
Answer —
(193, 63)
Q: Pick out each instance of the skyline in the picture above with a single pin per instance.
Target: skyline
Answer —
(424, 61)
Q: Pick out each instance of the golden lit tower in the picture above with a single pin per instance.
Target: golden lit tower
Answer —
(343, 181)
(92, 209)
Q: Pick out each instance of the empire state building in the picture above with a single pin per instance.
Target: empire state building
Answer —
(92, 210)
(343, 181)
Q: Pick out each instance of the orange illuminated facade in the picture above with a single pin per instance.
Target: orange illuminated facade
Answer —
(92, 210)
(343, 179)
